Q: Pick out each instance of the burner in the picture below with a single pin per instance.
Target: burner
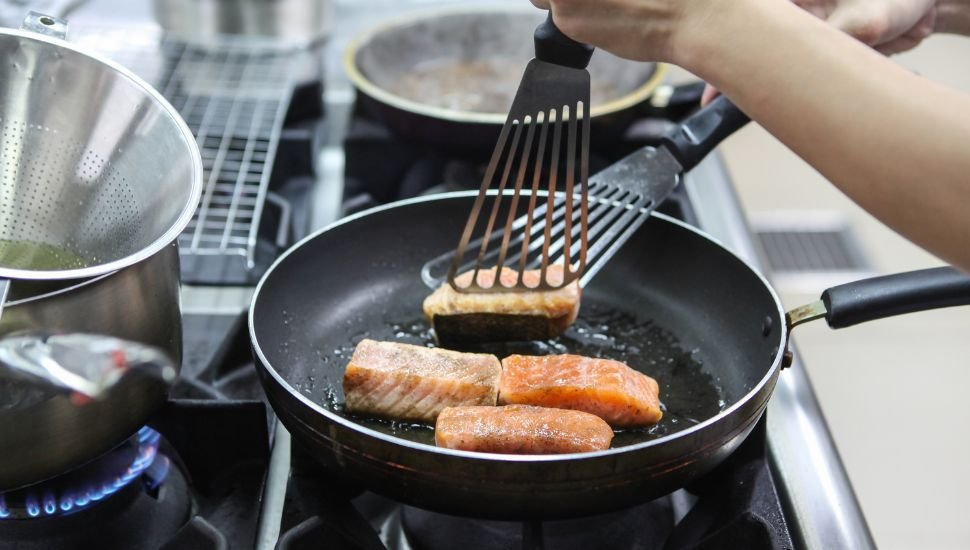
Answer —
(118, 500)
(644, 526)
(90, 483)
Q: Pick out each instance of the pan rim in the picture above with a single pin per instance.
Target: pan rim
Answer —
(267, 366)
(367, 86)
(193, 196)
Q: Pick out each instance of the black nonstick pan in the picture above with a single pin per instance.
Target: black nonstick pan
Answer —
(446, 78)
(672, 303)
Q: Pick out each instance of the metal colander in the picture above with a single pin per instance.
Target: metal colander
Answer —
(97, 170)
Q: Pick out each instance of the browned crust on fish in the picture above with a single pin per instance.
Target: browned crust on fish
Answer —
(460, 318)
(521, 429)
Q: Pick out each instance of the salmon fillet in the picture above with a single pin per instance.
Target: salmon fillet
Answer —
(609, 389)
(460, 318)
(407, 382)
(521, 429)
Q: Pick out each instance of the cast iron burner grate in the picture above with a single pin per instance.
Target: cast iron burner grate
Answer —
(238, 96)
(735, 506)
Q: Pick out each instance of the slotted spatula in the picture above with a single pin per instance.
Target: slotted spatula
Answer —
(620, 199)
(552, 100)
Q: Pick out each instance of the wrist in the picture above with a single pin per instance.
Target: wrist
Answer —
(692, 35)
(953, 17)
(708, 33)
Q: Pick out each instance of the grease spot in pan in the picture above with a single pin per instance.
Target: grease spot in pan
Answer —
(689, 395)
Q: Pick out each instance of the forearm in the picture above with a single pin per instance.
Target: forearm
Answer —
(897, 144)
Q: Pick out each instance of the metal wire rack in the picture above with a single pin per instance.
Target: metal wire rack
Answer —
(234, 94)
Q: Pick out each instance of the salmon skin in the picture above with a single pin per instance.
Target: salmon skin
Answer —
(521, 429)
(460, 318)
(609, 389)
(407, 382)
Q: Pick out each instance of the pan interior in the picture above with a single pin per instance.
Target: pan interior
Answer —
(472, 62)
(672, 304)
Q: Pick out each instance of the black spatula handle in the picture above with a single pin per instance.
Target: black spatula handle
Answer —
(879, 297)
(696, 136)
(552, 46)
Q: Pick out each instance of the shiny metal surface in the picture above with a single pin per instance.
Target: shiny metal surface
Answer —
(303, 21)
(621, 198)
(93, 161)
(473, 58)
(821, 507)
(805, 313)
(88, 366)
(234, 94)
(97, 164)
(43, 433)
(550, 105)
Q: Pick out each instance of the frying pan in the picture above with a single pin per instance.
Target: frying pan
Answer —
(446, 77)
(673, 303)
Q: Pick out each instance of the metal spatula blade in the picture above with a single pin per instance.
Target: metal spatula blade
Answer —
(544, 144)
(619, 198)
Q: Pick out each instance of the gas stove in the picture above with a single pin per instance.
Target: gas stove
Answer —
(215, 469)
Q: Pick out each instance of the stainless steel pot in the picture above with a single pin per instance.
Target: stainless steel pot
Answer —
(46, 432)
(98, 177)
(300, 21)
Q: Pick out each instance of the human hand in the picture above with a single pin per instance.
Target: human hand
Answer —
(889, 26)
(643, 30)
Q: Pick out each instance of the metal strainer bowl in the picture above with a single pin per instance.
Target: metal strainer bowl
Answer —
(97, 170)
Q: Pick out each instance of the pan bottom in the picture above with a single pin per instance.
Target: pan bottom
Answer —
(688, 394)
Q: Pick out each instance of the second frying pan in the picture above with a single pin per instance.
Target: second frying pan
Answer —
(446, 78)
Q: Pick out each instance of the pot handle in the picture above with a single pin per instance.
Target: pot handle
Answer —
(552, 46)
(886, 296)
(47, 25)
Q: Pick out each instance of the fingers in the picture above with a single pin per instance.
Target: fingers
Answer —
(710, 92)
(899, 45)
(925, 26)
(867, 26)
(912, 38)
(820, 9)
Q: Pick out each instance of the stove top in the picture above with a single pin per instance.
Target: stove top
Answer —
(193, 478)
(224, 474)
(736, 506)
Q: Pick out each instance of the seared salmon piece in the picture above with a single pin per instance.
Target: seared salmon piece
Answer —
(521, 429)
(609, 389)
(460, 318)
(407, 382)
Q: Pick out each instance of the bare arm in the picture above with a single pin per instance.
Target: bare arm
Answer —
(897, 144)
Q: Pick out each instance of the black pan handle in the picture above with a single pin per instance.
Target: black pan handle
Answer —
(700, 133)
(878, 297)
(552, 46)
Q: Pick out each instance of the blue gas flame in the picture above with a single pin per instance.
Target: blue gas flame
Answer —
(69, 501)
